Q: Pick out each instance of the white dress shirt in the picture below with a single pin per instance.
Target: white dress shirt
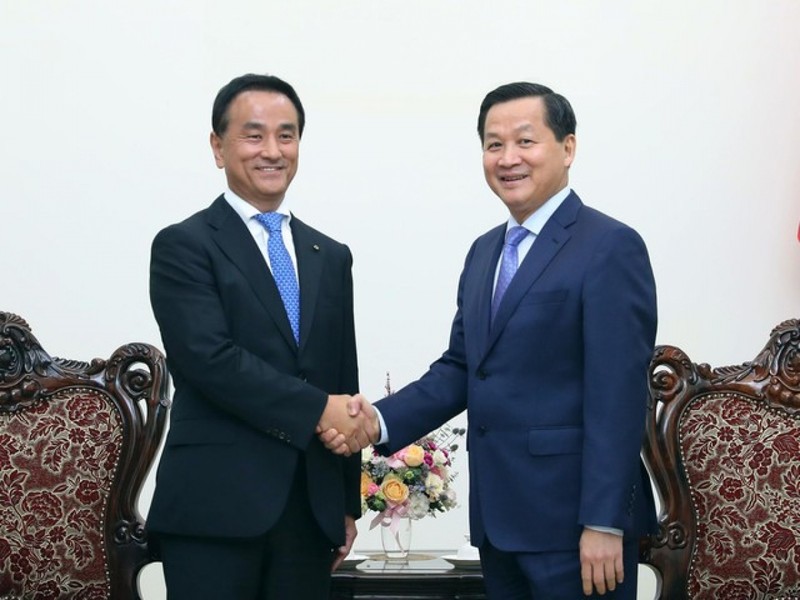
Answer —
(247, 212)
(534, 225)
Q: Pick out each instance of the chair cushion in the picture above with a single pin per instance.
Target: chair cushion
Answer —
(742, 461)
(58, 459)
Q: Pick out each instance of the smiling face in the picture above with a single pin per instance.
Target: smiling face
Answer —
(523, 162)
(259, 147)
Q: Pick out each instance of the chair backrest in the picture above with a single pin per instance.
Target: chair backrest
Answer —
(76, 442)
(723, 448)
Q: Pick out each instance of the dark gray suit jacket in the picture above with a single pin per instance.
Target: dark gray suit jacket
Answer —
(247, 399)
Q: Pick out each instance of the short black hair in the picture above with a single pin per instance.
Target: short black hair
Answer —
(252, 81)
(559, 115)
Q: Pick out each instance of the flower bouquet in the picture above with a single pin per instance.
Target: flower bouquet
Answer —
(412, 482)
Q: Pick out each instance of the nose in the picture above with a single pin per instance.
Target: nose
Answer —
(270, 148)
(509, 156)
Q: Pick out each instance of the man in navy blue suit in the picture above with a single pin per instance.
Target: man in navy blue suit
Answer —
(255, 310)
(548, 354)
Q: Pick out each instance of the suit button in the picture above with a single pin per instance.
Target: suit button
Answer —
(302, 376)
(482, 429)
(481, 374)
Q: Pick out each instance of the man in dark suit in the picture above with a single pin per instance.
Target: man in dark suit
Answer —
(255, 310)
(548, 354)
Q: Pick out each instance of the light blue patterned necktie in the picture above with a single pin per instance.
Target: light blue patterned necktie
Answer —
(508, 265)
(282, 269)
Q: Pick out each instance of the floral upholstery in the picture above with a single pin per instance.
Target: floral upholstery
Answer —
(76, 442)
(57, 461)
(723, 449)
(743, 466)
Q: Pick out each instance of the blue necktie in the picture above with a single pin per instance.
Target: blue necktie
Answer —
(508, 265)
(282, 269)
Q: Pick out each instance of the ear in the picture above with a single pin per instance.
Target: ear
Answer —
(216, 148)
(569, 143)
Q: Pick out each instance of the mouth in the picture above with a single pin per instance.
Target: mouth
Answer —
(512, 178)
(269, 169)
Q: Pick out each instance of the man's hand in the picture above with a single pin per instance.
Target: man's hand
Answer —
(601, 561)
(345, 430)
(359, 431)
(350, 533)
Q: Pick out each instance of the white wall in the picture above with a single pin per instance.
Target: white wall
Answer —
(688, 130)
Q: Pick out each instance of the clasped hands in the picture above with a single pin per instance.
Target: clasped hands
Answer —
(348, 424)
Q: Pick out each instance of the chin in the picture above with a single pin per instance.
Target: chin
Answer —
(516, 201)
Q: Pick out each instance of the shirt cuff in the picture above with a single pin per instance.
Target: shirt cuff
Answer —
(613, 530)
(384, 437)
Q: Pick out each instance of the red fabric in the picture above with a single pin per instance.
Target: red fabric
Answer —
(57, 461)
(743, 465)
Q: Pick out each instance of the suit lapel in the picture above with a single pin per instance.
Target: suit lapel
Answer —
(549, 242)
(310, 258)
(485, 267)
(235, 241)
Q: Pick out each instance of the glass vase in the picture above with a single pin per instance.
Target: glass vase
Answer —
(396, 544)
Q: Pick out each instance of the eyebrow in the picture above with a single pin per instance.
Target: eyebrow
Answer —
(259, 125)
(521, 128)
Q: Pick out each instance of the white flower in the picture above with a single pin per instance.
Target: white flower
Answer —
(448, 498)
(434, 485)
(418, 505)
(439, 458)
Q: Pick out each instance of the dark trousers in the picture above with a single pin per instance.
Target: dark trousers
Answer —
(548, 575)
(290, 561)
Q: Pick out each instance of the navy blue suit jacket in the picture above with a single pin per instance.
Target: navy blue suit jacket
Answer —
(555, 388)
(247, 399)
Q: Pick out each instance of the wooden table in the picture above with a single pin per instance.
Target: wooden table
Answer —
(421, 577)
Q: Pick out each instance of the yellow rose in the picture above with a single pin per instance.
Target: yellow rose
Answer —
(394, 490)
(414, 455)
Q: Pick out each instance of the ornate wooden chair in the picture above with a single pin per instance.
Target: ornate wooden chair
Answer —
(76, 442)
(723, 448)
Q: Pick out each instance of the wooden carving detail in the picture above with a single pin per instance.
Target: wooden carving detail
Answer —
(135, 383)
(771, 380)
(27, 371)
(774, 373)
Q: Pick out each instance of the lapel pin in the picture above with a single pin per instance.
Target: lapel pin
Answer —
(316, 248)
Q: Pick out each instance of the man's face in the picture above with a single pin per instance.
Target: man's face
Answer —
(259, 148)
(523, 162)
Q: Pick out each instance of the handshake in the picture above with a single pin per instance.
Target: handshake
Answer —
(348, 424)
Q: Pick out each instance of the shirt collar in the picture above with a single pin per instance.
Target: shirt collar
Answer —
(540, 216)
(247, 211)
